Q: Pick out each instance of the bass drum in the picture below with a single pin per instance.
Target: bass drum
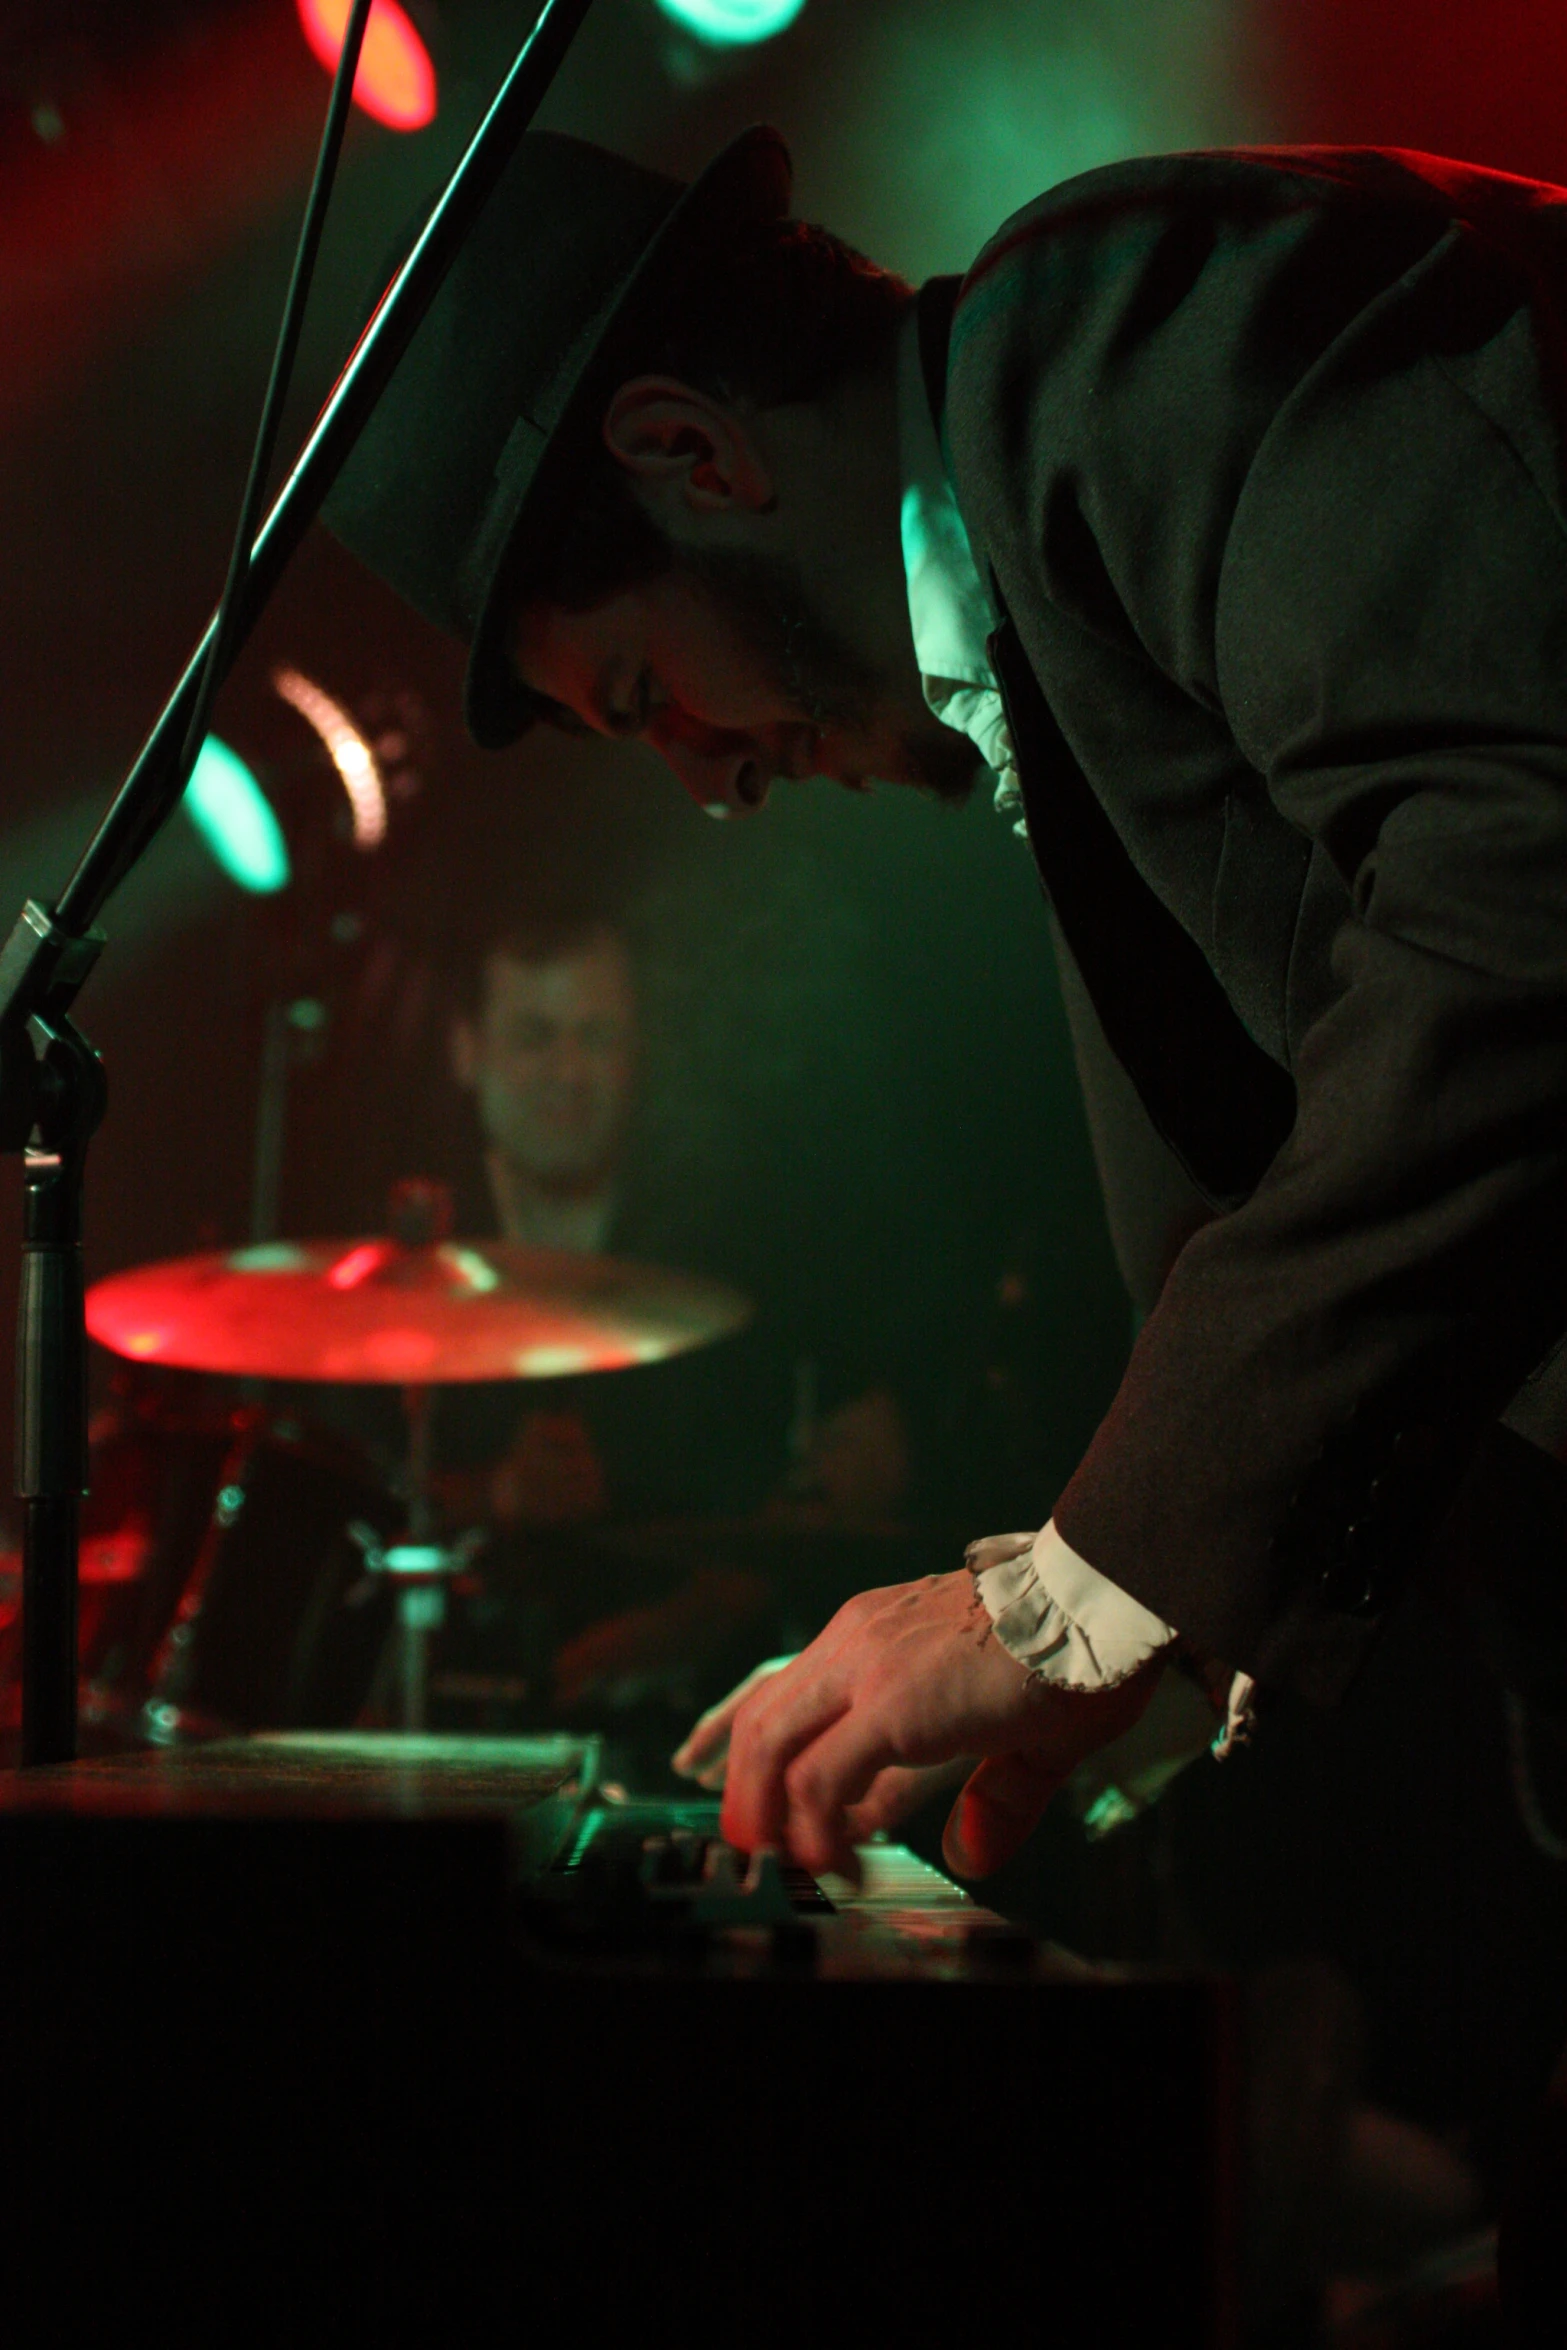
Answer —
(220, 1588)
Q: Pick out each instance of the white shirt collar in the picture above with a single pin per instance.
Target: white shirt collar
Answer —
(949, 611)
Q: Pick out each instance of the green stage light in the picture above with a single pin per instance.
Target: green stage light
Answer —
(731, 24)
(233, 816)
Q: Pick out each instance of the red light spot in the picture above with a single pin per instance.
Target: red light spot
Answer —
(396, 81)
(358, 1265)
(401, 1354)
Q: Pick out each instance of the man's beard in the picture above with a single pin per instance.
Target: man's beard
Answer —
(814, 668)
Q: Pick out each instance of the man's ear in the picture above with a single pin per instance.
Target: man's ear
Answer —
(463, 1047)
(675, 439)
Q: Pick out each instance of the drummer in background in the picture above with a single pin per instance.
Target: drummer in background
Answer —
(547, 1043)
(545, 1046)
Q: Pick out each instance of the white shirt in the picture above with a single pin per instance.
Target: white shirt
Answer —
(1056, 1614)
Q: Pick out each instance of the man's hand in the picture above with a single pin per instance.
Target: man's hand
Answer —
(891, 1796)
(907, 1680)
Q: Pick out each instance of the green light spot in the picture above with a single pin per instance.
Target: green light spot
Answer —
(231, 812)
(479, 1276)
(1107, 1812)
(270, 1256)
(730, 24)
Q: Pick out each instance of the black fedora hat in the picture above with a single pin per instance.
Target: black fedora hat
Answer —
(462, 466)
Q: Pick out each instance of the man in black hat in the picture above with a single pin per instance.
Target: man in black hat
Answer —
(1219, 512)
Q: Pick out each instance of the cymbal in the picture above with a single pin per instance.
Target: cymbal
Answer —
(372, 1310)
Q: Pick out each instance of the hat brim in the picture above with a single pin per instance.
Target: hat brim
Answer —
(746, 187)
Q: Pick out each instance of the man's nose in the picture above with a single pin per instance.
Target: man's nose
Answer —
(733, 779)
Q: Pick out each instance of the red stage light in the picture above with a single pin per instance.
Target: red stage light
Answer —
(396, 81)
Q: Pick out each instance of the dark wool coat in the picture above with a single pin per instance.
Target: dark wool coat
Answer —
(1263, 456)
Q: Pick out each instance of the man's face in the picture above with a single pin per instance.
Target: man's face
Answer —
(723, 668)
(550, 1059)
(777, 644)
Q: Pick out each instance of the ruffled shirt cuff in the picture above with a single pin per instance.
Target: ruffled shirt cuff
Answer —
(1067, 1624)
(1059, 1617)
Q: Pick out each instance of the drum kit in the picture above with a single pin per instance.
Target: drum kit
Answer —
(236, 1566)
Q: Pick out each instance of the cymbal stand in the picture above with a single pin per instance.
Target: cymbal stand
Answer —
(51, 1083)
(420, 1568)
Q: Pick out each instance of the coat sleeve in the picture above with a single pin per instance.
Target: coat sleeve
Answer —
(1353, 561)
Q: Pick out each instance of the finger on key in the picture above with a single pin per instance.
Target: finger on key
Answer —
(772, 1726)
(706, 1746)
(823, 1784)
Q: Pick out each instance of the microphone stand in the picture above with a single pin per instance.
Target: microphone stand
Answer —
(52, 1091)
